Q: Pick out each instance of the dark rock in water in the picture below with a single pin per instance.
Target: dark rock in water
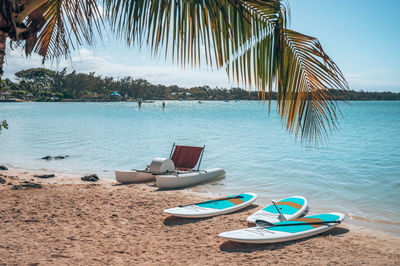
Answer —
(2, 167)
(44, 176)
(26, 184)
(91, 178)
(9, 184)
(2, 180)
(60, 157)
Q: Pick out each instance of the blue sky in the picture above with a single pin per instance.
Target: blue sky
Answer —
(361, 36)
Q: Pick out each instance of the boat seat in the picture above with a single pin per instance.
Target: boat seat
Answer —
(186, 157)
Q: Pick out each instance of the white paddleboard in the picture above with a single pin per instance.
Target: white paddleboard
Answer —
(287, 230)
(290, 207)
(214, 207)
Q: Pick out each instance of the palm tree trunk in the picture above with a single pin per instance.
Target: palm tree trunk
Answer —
(3, 37)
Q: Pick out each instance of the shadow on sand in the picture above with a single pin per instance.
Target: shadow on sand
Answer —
(173, 220)
(135, 183)
(231, 246)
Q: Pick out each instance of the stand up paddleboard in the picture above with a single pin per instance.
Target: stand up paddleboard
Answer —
(213, 207)
(285, 231)
(282, 210)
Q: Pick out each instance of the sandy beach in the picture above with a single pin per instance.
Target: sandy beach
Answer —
(69, 221)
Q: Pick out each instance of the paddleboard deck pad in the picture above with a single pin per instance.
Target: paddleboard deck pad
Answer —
(287, 230)
(213, 207)
(291, 208)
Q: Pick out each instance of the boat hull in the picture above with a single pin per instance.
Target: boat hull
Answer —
(188, 179)
(133, 176)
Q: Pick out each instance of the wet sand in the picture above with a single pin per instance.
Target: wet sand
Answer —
(69, 221)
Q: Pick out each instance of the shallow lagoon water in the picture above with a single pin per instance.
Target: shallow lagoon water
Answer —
(357, 171)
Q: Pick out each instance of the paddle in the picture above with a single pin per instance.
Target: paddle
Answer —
(290, 224)
(281, 217)
(208, 201)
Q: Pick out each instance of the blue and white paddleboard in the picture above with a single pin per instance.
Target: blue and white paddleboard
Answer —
(291, 208)
(287, 230)
(214, 207)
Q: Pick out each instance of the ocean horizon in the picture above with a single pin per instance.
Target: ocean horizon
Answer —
(356, 171)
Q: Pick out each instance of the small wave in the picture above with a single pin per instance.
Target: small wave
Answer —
(371, 220)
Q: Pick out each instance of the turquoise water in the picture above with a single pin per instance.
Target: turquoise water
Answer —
(356, 172)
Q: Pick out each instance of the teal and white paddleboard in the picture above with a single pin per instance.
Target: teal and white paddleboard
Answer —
(287, 230)
(290, 208)
(214, 207)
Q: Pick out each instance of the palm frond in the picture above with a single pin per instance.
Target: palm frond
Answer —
(67, 23)
(296, 66)
(184, 28)
(307, 75)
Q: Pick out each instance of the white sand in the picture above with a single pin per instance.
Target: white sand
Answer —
(69, 221)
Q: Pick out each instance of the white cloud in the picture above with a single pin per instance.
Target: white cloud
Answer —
(379, 79)
(86, 61)
(85, 52)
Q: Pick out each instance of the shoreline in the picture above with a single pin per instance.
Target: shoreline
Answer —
(72, 221)
(202, 191)
(177, 100)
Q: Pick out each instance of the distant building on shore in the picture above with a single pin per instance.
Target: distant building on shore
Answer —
(115, 96)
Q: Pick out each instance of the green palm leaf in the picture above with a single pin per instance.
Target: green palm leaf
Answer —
(296, 66)
(307, 81)
(56, 26)
(183, 28)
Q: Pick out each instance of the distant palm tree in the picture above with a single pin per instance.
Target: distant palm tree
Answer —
(250, 39)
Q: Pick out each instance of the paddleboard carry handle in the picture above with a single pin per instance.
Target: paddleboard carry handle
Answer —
(291, 224)
(265, 223)
(208, 201)
(281, 216)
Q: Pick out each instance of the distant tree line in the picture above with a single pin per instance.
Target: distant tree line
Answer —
(41, 84)
(352, 95)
